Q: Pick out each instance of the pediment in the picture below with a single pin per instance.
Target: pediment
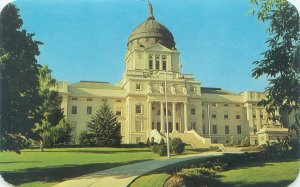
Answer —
(158, 48)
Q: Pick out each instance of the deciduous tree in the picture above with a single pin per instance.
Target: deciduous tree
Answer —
(51, 127)
(19, 79)
(280, 62)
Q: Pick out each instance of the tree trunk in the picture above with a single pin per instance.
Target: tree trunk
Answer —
(41, 146)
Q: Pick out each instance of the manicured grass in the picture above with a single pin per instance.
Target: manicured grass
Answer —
(275, 174)
(158, 177)
(155, 179)
(35, 168)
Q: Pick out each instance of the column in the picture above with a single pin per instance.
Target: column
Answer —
(149, 116)
(185, 113)
(258, 120)
(174, 117)
(162, 117)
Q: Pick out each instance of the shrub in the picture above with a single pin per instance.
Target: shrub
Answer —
(162, 141)
(214, 148)
(141, 144)
(287, 147)
(245, 142)
(197, 176)
(160, 149)
(251, 149)
(177, 146)
(152, 142)
(148, 142)
(233, 141)
(194, 172)
(215, 164)
(85, 138)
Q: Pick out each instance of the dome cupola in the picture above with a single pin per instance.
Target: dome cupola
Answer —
(150, 32)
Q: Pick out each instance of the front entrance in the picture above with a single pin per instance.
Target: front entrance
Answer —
(158, 127)
(170, 126)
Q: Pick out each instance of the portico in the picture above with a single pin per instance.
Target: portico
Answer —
(177, 116)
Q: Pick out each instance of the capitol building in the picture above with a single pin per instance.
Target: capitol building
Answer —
(198, 115)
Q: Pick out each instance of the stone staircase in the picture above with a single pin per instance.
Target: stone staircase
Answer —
(192, 138)
(156, 135)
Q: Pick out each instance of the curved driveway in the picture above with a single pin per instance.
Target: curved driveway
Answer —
(122, 176)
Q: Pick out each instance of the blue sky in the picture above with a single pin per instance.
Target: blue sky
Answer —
(86, 39)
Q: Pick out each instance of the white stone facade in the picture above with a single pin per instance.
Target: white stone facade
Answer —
(139, 98)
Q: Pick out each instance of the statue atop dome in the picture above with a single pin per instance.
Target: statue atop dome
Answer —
(150, 32)
(150, 10)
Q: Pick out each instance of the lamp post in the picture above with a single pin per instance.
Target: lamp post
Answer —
(208, 115)
(166, 103)
(166, 100)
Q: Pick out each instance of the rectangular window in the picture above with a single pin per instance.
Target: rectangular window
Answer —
(261, 116)
(214, 104)
(150, 62)
(237, 105)
(226, 115)
(138, 86)
(214, 129)
(74, 109)
(239, 129)
(74, 99)
(89, 110)
(104, 100)
(164, 63)
(138, 109)
(193, 111)
(225, 105)
(118, 111)
(226, 129)
(203, 114)
(157, 62)
(138, 126)
(213, 114)
(89, 99)
(237, 116)
(254, 116)
(118, 100)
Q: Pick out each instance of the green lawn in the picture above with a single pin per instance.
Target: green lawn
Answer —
(35, 168)
(274, 174)
(259, 174)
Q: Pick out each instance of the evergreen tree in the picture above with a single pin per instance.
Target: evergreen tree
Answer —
(105, 128)
(19, 79)
(281, 61)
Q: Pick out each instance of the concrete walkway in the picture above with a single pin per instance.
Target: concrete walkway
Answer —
(123, 175)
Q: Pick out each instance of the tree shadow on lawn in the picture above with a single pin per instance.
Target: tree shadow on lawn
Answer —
(58, 174)
(248, 165)
(29, 161)
(91, 151)
(216, 182)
